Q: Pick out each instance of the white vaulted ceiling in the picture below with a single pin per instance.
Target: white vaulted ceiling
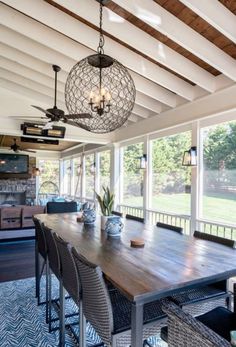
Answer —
(181, 54)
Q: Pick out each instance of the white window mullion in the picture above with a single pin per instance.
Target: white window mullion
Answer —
(195, 179)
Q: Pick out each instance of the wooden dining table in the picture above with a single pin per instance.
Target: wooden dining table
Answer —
(169, 262)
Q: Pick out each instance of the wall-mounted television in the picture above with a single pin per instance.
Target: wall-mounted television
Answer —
(14, 163)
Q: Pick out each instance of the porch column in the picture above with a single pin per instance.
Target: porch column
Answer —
(115, 173)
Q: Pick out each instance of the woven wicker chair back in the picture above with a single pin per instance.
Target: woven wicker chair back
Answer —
(170, 227)
(69, 273)
(96, 301)
(214, 238)
(117, 213)
(40, 238)
(61, 207)
(53, 255)
(138, 219)
(185, 330)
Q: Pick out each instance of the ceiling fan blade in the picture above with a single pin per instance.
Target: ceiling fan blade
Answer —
(42, 110)
(78, 115)
(77, 125)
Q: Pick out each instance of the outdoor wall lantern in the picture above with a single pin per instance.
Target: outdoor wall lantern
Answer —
(143, 162)
(190, 157)
(93, 168)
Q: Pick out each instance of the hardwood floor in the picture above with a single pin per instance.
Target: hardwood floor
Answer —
(16, 260)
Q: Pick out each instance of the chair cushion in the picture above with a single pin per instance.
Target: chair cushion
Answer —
(220, 320)
(122, 311)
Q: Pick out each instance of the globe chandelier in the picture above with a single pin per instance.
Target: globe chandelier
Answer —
(101, 86)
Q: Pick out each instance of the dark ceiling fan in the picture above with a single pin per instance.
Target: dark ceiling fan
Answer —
(55, 114)
(16, 148)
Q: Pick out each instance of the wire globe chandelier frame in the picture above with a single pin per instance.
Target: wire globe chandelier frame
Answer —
(101, 86)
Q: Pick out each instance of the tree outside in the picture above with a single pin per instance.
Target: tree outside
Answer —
(105, 169)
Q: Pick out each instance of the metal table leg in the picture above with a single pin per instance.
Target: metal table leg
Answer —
(137, 325)
(36, 270)
(82, 326)
(62, 316)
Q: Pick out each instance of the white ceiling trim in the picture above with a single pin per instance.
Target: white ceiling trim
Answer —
(215, 14)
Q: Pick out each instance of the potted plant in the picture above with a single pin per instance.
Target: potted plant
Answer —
(106, 202)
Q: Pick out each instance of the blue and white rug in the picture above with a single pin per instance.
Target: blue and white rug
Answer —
(22, 321)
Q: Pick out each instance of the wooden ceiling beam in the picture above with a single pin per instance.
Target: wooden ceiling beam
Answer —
(30, 84)
(31, 74)
(24, 59)
(148, 102)
(143, 42)
(9, 54)
(23, 96)
(62, 51)
(166, 23)
(86, 36)
(216, 14)
(218, 103)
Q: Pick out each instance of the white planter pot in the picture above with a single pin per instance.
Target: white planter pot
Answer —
(104, 220)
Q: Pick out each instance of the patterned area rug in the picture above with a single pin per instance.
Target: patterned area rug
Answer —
(22, 322)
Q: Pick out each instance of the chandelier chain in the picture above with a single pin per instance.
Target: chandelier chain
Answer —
(100, 49)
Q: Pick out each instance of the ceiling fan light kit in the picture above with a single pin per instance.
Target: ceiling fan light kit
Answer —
(102, 87)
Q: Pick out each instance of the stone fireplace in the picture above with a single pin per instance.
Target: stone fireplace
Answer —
(19, 191)
(13, 198)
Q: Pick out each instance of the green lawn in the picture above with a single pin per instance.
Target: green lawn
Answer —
(216, 207)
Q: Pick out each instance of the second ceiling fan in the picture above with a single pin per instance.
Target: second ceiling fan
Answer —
(55, 114)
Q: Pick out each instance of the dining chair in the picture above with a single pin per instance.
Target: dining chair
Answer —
(200, 300)
(214, 238)
(70, 283)
(138, 219)
(109, 312)
(209, 330)
(40, 256)
(170, 227)
(61, 207)
(117, 213)
(54, 267)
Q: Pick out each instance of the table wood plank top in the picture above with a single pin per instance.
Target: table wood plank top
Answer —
(168, 262)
